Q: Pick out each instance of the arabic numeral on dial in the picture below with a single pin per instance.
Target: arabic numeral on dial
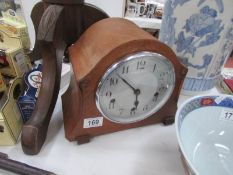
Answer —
(112, 103)
(163, 74)
(121, 111)
(108, 94)
(162, 88)
(145, 108)
(113, 81)
(155, 97)
(125, 69)
(154, 67)
(141, 64)
(133, 111)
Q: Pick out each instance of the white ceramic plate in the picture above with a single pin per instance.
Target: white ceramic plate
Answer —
(204, 127)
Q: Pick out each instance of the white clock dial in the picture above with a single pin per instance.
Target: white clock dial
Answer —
(135, 88)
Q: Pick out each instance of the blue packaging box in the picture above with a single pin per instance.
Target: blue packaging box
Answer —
(27, 102)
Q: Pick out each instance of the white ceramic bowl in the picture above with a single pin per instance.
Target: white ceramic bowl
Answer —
(204, 127)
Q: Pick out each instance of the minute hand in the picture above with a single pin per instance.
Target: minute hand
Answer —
(135, 91)
(126, 83)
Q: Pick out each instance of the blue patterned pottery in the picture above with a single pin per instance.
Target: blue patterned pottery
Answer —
(204, 127)
(200, 32)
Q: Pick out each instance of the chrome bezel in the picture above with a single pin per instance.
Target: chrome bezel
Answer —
(127, 59)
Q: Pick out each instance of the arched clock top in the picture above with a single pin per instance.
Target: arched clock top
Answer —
(107, 41)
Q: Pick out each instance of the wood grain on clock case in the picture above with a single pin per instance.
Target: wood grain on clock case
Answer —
(102, 45)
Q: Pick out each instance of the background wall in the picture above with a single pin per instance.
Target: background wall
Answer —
(113, 8)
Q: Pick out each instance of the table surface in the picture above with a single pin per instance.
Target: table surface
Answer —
(146, 150)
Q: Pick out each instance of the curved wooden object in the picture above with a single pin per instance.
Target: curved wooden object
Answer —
(103, 44)
(36, 15)
(59, 26)
(35, 130)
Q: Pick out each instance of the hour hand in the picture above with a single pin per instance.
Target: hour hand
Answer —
(136, 103)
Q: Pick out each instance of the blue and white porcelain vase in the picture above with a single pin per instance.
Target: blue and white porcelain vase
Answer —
(200, 32)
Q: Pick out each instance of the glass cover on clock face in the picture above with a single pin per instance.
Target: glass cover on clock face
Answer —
(135, 88)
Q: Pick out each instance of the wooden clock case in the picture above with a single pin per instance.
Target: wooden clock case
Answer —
(103, 44)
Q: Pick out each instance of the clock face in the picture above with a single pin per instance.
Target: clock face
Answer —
(135, 88)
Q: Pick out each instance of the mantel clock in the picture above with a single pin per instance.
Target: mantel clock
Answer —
(122, 78)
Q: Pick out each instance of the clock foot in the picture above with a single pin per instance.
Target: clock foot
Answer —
(169, 121)
(83, 139)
